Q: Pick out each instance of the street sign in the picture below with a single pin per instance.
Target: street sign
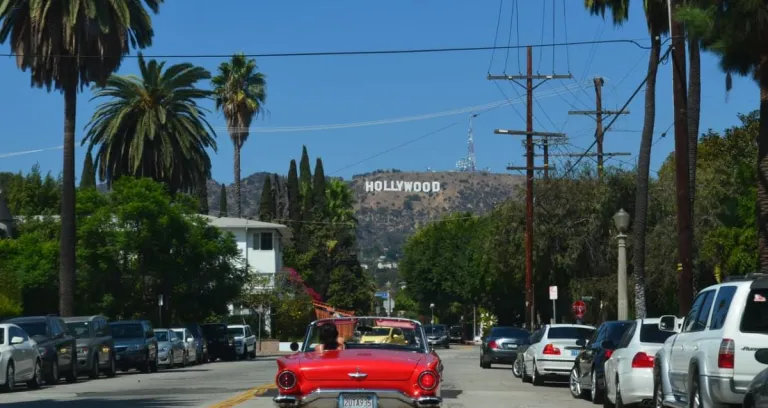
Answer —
(553, 293)
(579, 309)
(382, 295)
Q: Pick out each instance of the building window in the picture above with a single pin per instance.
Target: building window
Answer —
(262, 241)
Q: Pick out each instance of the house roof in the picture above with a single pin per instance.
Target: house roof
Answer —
(5, 213)
(233, 222)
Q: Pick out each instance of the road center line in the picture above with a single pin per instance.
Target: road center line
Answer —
(243, 396)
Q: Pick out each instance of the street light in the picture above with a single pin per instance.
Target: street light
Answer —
(389, 298)
(621, 219)
(432, 308)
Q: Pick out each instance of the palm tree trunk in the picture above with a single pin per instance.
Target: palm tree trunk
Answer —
(762, 170)
(238, 201)
(643, 169)
(68, 233)
(694, 109)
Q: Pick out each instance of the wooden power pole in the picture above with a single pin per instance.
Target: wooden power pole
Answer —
(682, 179)
(599, 113)
(529, 169)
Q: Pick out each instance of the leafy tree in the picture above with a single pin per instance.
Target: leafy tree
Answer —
(223, 201)
(88, 178)
(31, 194)
(267, 209)
(240, 93)
(57, 45)
(151, 126)
(319, 190)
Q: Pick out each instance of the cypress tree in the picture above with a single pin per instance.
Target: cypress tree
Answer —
(88, 177)
(278, 197)
(267, 208)
(318, 189)
(294, 195)
(305, 185)
(223, 201)
(202, 197)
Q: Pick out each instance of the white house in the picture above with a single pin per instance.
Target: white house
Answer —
(261, 244)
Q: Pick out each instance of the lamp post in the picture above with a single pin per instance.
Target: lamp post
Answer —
(389, 299)
(621, 219)
(432, 308)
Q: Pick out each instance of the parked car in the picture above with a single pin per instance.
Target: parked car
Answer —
(135, 345)
(95, 346)
(726, 325)
(221, 345)
(437, 335)
(245, 340)
(454, 334)
(517, 368)
(393, 335)
(170, 348)
(202, 343)
(501, 345)
(57, 348)
(757, 392)
(553, 351)
(361, 374)
(19, 359)
(587, 373)
(189, 343)
(629, 371)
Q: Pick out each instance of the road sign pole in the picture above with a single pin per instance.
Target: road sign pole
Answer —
(554, 312)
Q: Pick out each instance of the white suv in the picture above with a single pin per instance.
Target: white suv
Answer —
(245, 340)
(712, 360)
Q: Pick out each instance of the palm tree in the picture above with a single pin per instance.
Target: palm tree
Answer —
(67, 45)
(736, 32)
(151, 126)
(240, 92)
(656, 18)
(340, 203)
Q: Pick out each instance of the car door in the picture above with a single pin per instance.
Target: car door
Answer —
(619, 358)
(103, 346)
(530, 352)
(60, 344)
(678, 365)
(587, 356)
(22, 352)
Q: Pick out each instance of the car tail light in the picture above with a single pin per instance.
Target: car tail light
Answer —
(725, 356)
(552, 350)
(608, 354)
(493, 345)
(642, 360)
(428, 380)
(286, 380)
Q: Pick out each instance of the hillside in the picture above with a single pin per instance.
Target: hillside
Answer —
(394, 204)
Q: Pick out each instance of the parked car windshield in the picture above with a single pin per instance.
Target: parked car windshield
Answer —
(236, 331)
(577, 333)
(34, 328)
(369, 333)
(161, 335)
(127, 331)
(2, 335)
(650, 333)
(509, 332)
(79, 330)
(434, 329)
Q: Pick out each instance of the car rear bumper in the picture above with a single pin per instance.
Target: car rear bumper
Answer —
(555, 366)
(501, 356)
(330, 399)
(636, 386)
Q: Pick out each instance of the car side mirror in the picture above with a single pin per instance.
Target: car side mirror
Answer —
(668, 323)
(608, 345)
(581, 342)
(762, 356)
(294, 346)
(17, 340)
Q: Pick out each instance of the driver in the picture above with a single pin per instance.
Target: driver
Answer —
(329, 338)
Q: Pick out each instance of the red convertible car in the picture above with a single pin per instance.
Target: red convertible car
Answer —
(373, 362)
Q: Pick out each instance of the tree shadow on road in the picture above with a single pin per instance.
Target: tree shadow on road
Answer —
(101, 403)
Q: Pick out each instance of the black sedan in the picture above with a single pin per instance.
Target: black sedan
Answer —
(501, 345)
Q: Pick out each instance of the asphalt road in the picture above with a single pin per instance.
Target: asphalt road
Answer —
(248, 384)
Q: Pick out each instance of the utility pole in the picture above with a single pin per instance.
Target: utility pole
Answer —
(682, 184)
(529, 168)
(598, 116)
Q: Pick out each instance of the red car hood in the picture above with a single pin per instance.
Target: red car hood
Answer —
(379, 365)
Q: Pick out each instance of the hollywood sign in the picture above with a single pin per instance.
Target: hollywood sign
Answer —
(400, 185)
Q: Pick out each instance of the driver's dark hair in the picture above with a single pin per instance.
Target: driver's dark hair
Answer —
(328, 335)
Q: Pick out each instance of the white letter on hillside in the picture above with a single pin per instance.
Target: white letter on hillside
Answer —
(435, 186)
(377, 185)
(368, 186)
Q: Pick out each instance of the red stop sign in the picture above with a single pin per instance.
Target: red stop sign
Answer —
(579, 308)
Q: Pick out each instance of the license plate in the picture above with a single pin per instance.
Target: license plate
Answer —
(357, 401)
(510, 346)
(574, 353)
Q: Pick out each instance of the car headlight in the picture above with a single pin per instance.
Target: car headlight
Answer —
(82, 350)
(134, 347)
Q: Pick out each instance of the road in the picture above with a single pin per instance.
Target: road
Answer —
(248, 384)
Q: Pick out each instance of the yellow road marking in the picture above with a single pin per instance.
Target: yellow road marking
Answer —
(243, 396)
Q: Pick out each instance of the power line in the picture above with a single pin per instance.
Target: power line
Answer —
(635, 42)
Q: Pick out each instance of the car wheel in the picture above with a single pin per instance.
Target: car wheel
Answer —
(619, 401)
(525, 378)
(71, 376)
(146, 366)
(112, 370)
(37, 376)
(597, 395)
(184, 358)
(10, 378)
(695, 394)
(574, 383)
(536, 379)
(517, 370)
(94, 374)
(52, 378)
(153, 365)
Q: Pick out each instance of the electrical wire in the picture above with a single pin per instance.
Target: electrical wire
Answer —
(496, 36)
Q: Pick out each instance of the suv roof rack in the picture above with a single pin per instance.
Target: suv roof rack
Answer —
(747, 277)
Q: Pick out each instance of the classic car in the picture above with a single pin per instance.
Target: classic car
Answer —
(359, 374)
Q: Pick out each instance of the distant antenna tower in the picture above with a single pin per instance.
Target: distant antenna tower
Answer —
(469, 163)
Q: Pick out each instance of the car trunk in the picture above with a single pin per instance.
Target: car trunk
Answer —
(507, 343)
(568, 348)
(379, 365)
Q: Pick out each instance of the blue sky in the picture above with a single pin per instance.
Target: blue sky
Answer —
(308, 91)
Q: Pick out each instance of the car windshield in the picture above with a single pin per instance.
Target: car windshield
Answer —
(236, 331)
(575, 333)
(2, 335)
(161, 335)
(650, 333)
(434, 329)
(34, 328)
(179, 334)
(755, 319)
(127, 331)
(79, 330)
(367, 333)
(509, 332)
